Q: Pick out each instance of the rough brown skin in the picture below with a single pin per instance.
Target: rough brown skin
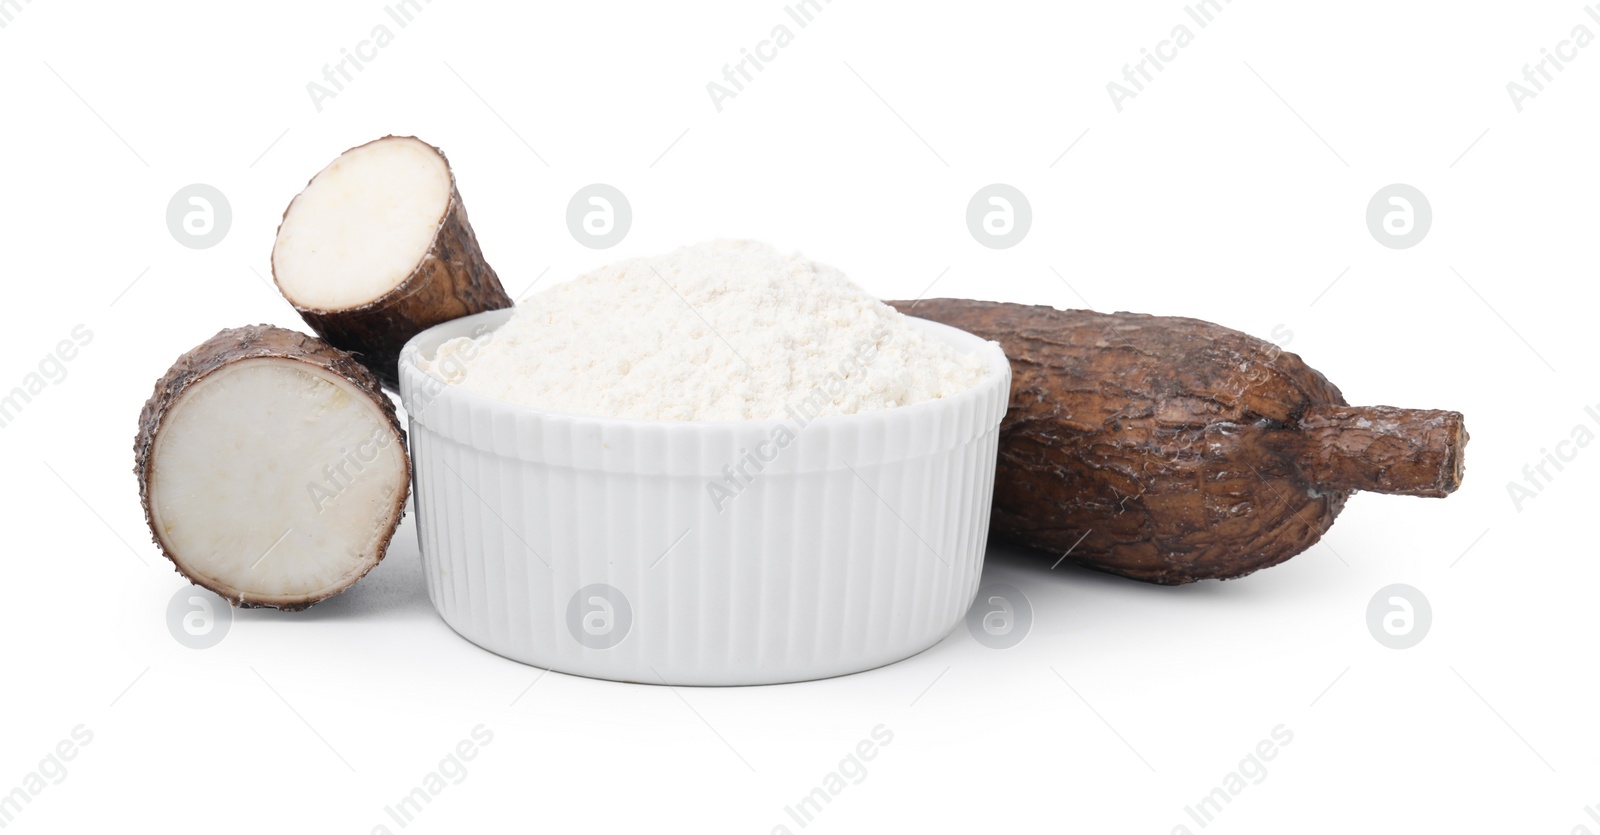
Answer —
(229, 346)
(452, 280)
(1172, 450)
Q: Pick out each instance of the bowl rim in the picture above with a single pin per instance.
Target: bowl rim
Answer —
(996, 365)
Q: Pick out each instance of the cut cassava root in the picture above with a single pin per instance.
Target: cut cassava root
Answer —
(271, 466)
(378, 248)
(1171, 450)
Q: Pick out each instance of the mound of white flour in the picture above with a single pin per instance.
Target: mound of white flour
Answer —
(728, 330)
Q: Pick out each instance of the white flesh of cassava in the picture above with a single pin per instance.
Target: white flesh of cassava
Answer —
(362, 225)
(275, 481)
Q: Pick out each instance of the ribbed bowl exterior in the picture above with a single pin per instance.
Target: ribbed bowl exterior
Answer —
(601, 547)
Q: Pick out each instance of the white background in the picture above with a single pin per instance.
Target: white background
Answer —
(1233, 189)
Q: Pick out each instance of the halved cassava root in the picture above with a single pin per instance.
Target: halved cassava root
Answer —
(378, 248)
(1171, 450)
(271, 467)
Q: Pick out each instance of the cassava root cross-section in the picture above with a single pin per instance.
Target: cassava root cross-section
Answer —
(271, 467)
(377, 248)
(1171, 450)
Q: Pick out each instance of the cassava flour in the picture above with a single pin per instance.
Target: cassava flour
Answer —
(728, 330)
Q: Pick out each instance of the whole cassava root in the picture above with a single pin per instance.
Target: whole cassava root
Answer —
(272, 468)
(378, 248)
(1171, 450)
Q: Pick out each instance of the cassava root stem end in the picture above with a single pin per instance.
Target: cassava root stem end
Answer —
(1382, 449)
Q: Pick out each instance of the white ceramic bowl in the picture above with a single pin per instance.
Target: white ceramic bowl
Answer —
(597, 546)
